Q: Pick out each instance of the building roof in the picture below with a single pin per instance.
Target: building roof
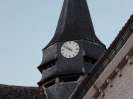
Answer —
(103, 62)
(74, 23)
(20, 92)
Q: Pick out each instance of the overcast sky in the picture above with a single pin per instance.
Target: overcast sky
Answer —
(26, 26)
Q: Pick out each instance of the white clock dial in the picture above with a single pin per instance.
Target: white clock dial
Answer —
(70, 49)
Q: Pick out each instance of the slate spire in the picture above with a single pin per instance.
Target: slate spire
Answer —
(62, 74)
(74, 23)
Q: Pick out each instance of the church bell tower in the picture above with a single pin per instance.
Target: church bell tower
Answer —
(71, 53)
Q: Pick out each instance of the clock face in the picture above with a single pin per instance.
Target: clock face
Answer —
(70, 49)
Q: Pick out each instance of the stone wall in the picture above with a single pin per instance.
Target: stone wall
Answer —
(116, 81)
(122, 86)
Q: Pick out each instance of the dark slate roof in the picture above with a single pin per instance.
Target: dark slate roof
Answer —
(20, 92)
(74, 23)
(103, 62)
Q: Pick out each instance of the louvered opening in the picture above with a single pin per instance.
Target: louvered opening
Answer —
(69, 78)
(64, 78)
(50, 64)
(50, 83)
(89, 60)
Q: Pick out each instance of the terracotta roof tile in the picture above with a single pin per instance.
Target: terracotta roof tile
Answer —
(20, 92)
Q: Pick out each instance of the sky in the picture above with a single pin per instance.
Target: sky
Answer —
(26, 27)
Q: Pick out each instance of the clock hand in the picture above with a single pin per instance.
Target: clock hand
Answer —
(68, 48)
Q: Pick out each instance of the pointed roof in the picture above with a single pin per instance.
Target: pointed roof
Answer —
(74, 23)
